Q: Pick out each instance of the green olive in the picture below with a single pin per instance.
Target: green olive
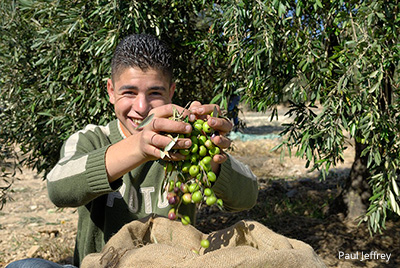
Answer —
(185, 220)
(214, 151)
(169, 167)
(209, 144)
(208, 192)
(198, 126)
(193, 187)
(197, 197)
(206, 160)
(211, 200)
(187, 198)
(211, 176)
(171, 186)
(202, 150)
(205, 243)
(199, 121)
(202, 139)
(186, 166)
(206, 128)
(184, 151)
(194, 148)
(194, 170)
(206, 167)
(194, 158)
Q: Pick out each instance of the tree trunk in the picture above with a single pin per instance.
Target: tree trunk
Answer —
(353, 200)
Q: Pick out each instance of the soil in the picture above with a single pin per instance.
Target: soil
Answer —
(292, 201)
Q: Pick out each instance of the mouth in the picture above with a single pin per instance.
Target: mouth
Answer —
(135, 122)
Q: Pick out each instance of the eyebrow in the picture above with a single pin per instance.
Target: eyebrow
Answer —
(132, 87)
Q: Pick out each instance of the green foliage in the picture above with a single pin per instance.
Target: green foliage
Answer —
(342, 56)
(55, 60)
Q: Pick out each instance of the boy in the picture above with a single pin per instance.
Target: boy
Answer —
(110, 172)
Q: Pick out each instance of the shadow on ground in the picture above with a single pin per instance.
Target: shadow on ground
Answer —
(298, 209)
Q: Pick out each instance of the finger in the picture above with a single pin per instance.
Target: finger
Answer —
(167, 110)
(162, 141)
(170, 110)
(221, 141)
(220, 124)
(158, 141)
(195, 103)
(220, 158)
(183, 144)
(205, 109)
(157, 144)
(189, 113)
(170, 126)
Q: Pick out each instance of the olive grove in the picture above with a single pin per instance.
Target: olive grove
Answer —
(335, 62)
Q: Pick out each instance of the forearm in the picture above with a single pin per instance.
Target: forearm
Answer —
(78, 180)
(122, 157)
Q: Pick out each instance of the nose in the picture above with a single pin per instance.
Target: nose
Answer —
(141, 105)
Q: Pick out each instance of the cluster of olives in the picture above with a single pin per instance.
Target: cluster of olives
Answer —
(194, 174)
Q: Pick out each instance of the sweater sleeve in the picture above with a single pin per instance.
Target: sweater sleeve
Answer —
(80, 175)
(236, 185)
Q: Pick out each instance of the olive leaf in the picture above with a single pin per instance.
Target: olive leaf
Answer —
(146, 121)
(169, 146)
(163, 154)
(215, 113)
(176, 114)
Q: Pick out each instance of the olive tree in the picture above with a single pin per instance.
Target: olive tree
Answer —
(55, 60)
(337, 63)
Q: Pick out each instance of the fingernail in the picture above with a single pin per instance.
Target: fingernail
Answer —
(187, 143)
(188, 128)
(212, 122)
(192, 117)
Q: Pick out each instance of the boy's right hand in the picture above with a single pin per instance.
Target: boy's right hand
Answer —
(147, 144)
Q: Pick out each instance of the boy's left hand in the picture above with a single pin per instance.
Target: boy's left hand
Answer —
(221, 125)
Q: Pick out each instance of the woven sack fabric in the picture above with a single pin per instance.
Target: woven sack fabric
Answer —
(159, 242)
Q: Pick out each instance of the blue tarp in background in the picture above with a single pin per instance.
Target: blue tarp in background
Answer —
(249, 137)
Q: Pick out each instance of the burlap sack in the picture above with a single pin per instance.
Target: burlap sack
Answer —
(160, 242)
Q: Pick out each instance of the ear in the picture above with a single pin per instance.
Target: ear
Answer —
(172, 90)
(110, 91)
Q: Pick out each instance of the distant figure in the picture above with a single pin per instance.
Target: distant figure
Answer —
(233, 109)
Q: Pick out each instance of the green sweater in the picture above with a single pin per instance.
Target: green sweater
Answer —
(80, 180)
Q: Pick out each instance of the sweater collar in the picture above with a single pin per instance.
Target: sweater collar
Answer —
(121, 130)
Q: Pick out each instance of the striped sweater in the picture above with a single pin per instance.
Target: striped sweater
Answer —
(80, 180)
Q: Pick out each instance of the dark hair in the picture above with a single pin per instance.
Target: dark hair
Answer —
(144, 51)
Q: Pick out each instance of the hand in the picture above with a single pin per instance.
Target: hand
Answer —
(221, 125)
(147, 144)
(153, 138)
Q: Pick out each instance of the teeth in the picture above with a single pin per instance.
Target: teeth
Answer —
(137, 121)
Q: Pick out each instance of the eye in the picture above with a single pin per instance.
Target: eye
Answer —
(156, 93)
(128, 93)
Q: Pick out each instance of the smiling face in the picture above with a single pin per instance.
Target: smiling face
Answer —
(135, 92)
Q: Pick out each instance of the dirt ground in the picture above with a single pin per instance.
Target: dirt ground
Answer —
(292, 201)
